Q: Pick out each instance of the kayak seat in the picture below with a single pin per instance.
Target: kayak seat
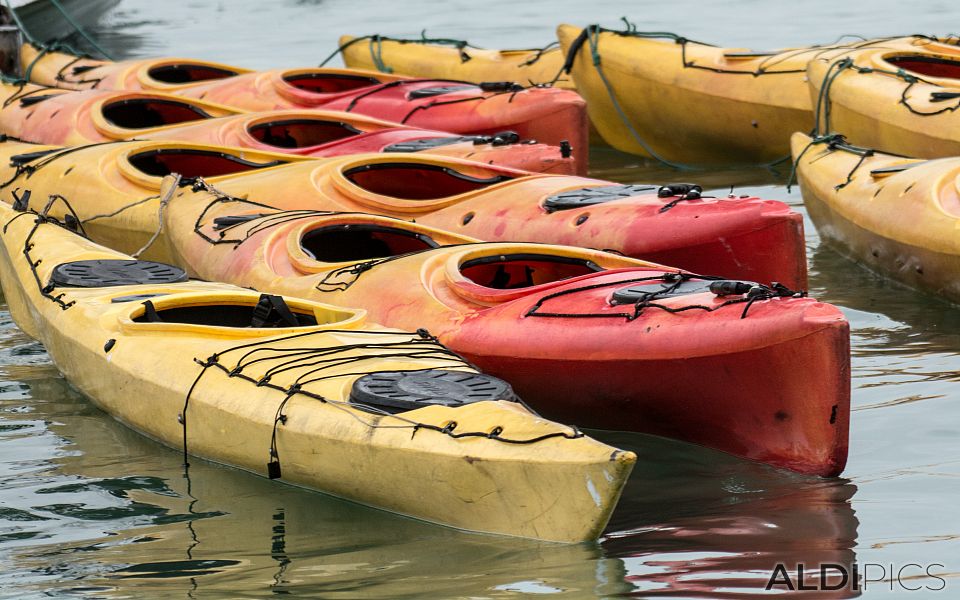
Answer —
(140, 113)
(269, 312)
(301, 133)
(417, 181)
(927, 66)
(329, 83)
(346, 243)
(518, 271)
(194, 163)
(187, 73)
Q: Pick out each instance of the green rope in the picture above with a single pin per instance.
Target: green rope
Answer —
(375, 42)
(76, 27)
(817, 139)
(593, 36)
(377, 56)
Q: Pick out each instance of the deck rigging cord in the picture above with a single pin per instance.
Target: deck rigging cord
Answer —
(835, 141)
(308, 366)
(71, 223)
(751, 294)
(824, 106)
(336, 280)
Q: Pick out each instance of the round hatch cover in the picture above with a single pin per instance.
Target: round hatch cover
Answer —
(107, 273)
(398, 391)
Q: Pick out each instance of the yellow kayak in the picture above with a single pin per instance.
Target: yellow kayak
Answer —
(901, 96)
(63, 70)
(113, 188)
(453, 59)
(663, 96)
(895, 215)
(302, 391)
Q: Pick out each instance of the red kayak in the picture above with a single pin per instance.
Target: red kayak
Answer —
(601, 340)
(548, 115)
(742, 237)
(50, 116)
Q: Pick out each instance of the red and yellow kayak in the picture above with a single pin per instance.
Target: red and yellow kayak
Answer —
(749, 238)
(547, 115)
(50, 116)
(606, 341)
(45, 115)
(59, 69)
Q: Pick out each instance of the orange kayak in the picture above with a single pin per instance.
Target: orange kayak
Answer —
(607, 341)
(59, 69)
(548, 115)
(326, 133)
(45, 115)
(50, 116)
(749, 238)
(744, 237)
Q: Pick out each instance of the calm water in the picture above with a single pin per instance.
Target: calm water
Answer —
(89, 509)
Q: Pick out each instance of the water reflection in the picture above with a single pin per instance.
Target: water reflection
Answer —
(607, 163)
(112, 507)
(696, 523)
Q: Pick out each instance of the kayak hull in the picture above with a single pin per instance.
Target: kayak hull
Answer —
(747, 238)
(689, 373)
(435, 61)
(687, 114)
(874, 107)
(863, 218)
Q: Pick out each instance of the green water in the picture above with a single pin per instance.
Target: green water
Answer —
(89, 509)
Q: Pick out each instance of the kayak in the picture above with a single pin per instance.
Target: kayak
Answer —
(858, 198)
(453, 59)
(741, 237)
(688, 102)
(548, 115)
(115, 190)
(901, 97)
(304, 392)
(603, 340)
(326, 133)
(63, 70)
(49, 116)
